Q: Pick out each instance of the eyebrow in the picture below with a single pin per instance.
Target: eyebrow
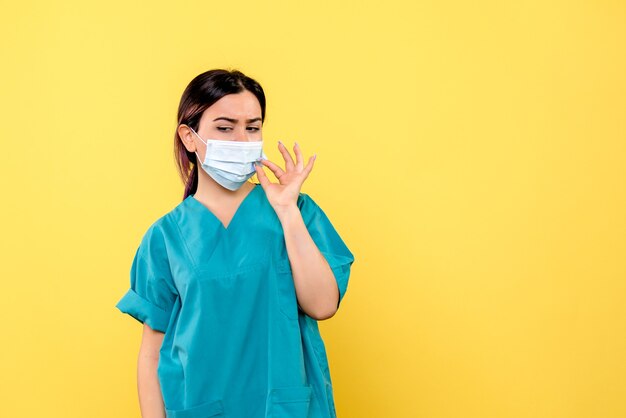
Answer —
(235, 120)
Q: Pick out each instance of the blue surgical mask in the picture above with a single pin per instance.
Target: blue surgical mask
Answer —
(230, 163)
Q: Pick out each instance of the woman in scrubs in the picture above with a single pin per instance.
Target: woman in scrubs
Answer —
(230, 283)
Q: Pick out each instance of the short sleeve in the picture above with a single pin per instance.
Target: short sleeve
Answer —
(327, 239)
(152, 293)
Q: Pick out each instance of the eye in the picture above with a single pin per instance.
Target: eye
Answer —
(223, 128)
(253, 128)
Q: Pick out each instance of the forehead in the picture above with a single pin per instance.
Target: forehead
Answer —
(237, 106)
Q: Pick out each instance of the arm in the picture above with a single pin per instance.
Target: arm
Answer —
(314, 280)
(150, 398)
(315, 283)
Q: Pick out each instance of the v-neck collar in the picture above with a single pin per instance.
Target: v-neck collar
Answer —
(192, 198)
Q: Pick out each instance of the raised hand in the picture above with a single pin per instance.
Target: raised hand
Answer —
(285, 193)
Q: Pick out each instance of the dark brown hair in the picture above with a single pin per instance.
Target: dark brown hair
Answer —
(204, 90)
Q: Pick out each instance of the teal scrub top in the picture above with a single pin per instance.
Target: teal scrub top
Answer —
(236, 342)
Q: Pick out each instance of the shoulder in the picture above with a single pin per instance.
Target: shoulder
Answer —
(306, 202)
(310, 209)
(160, 231)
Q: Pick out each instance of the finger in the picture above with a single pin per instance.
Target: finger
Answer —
(299, 159)
(288, 160)
(260, 173)
(309, 166)
(278, 172)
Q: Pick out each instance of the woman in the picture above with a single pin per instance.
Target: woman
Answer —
(231, 282)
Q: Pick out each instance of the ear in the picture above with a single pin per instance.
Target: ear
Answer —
(186, 136)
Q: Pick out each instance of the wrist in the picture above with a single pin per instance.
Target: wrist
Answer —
(287, 212)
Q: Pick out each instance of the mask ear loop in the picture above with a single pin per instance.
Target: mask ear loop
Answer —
(197, 135)
(195, 152)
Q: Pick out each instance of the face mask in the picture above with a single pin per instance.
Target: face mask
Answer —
(230, 163)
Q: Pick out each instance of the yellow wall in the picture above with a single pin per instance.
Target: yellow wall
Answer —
(472, 154)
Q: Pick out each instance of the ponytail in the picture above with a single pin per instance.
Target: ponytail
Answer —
(191, 185)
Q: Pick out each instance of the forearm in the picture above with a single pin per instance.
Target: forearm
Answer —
(315, 283)
(149, 389)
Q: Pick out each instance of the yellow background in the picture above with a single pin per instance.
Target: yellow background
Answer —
(471, 154)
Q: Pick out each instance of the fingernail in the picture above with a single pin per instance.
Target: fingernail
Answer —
(280, 142)
(314, 156)
(297, 144)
